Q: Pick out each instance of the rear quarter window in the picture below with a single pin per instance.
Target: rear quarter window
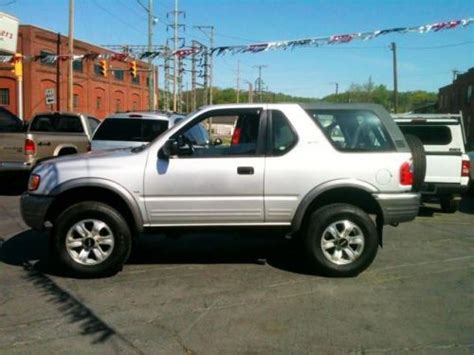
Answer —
(429, 135)
(130, 129)
(57, 123)
(353, 130)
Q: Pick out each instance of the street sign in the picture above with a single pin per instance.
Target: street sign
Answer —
(8, 33)
(50, 95)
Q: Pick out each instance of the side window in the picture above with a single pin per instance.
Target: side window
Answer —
(353, 130)
(283, 137)
(222, 133)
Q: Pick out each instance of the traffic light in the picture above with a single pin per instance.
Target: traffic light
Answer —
(103, 67)
(133, 69)
(17, 65)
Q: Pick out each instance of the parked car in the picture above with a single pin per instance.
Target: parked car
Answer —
(132, 129)
(332, 175)
(471, 181)
(47, 135)
(447, 164)
(12, 138)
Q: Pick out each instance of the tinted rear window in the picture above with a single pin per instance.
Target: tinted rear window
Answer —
(9, 122)
(57, 123)
(429, 135)
(130, 129)
(353, 130)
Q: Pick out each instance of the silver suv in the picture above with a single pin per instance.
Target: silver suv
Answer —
(331, 174)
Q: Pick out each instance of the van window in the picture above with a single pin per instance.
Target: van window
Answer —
(353, 130)
(429, 135)
(130, 129)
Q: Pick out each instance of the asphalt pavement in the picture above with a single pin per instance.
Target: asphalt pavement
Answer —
(239, 293)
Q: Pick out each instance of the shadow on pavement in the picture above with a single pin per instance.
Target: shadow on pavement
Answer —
(226, 248)
(13, 183)
(467, 205)
(29, 250)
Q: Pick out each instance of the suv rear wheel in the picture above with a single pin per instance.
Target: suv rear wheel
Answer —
(91, 239)
(341, 240)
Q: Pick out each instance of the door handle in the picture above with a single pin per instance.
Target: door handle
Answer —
(44, 143)
(245, 170)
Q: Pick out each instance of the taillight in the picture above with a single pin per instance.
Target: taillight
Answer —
(236, 136)
(34, 182)
(30, 148)
(406, 174)
(466, 166)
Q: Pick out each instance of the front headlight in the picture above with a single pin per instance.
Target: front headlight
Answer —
(34, 182)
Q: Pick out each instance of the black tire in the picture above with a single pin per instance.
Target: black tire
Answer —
(67, 151)
(419, 161)
(449, 204)
(119, 228)
(320, 220)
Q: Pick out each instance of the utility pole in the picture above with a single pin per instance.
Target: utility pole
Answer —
(209, 31)
(337, 88)
(58, 73)
(393, 48)
(151, 86)
(259, 82)
(250, 91)
(176, 60)
(70, 100)
(193, 76)
(238, 81)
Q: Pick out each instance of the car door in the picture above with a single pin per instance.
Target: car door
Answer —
(217, 176)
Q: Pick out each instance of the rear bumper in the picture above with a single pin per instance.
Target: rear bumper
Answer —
(34, 209)
(398, 207)
(15, 166)
(440, 189)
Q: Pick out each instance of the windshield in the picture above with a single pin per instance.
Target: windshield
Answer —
(130, 129)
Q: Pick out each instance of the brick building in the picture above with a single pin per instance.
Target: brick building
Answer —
(459, 96)
(94, 94)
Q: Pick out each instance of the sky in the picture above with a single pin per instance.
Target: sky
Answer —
(425, 61)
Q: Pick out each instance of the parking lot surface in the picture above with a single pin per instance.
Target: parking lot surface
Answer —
(237, 293)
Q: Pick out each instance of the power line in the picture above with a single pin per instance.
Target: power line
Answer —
(442, 46)
(116, 17)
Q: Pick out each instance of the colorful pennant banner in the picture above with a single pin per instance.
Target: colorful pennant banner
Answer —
(250, 48)
(339, 39)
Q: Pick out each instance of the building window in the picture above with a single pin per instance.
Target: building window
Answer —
(75, 101)
(98, 103)
(50, 61)
(77, 66)
(118, 74)
(136, 80)
(97, 70)
(468, 93)
(4, 96)
(117, 105)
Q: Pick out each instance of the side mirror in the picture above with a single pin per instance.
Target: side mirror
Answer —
(169, 149)
(217, 141)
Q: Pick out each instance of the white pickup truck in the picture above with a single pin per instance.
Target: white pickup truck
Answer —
(447, 164)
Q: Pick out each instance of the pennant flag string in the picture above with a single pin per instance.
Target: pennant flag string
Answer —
(235, 49)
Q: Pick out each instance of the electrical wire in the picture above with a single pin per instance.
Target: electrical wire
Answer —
(442, 46)
(116, 17)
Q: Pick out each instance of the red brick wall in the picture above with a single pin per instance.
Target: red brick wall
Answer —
(96, 95)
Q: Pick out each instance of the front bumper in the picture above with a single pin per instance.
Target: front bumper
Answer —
(34, 209)
(399, 207)
(15, 166)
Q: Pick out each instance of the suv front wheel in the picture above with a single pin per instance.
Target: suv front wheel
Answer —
(341, 240)
(91, 239)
